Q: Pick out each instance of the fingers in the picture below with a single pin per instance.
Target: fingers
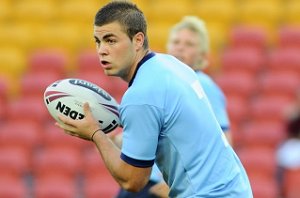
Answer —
(88, 115)
(78, 128)
(77, 135)
(71, 133)
(65, 127)
(86, 109)
(65, 120)
(65, 123)
(69, 130)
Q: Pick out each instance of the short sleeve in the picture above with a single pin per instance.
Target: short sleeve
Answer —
(141, 127)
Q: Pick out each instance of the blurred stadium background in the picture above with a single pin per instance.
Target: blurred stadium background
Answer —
(255, 53)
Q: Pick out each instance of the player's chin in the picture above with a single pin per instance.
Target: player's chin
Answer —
(111, 72)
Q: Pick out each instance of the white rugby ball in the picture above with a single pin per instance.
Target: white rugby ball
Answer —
(67, 97)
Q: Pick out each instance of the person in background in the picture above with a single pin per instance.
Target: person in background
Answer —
(189, 42)
(165, 115)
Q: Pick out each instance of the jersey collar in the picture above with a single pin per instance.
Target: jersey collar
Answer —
(144, 59)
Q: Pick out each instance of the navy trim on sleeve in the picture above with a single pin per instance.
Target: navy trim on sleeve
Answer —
(137, 163)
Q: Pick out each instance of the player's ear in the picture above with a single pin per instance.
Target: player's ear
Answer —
(203, 61)
(138, 40)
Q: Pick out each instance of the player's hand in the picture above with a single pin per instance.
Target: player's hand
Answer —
(83, 128)
(160, 190)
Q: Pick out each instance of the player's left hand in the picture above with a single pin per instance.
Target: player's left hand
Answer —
(160, 190)
(83, 128)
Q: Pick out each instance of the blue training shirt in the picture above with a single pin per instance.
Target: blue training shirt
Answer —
(167, 118)
(216, 98)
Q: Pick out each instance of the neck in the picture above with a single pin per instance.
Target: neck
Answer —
(139, 57)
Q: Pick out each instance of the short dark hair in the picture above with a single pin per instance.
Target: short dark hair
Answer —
(127, 14)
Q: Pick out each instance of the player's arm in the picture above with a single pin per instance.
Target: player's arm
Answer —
(129, 177)
(117, 139)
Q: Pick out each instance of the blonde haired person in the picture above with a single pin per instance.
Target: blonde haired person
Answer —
(190, 36)
(189, 42)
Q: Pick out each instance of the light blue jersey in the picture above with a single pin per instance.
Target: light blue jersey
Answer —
(216, 98)
(167, 118)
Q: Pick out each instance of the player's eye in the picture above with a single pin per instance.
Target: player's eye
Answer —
(97, 41)
(111, 41)
(175, 42)
(190, 44)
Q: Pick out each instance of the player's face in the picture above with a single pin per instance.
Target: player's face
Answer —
(185, 45)
(115, 50)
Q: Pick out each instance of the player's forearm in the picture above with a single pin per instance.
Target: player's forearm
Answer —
(123, 173)
(110, 154)
(117, 139)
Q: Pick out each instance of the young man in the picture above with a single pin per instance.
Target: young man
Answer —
(165, 115)
(189, 42)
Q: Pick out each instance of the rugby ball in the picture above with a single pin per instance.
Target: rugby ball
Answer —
(67, 97)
